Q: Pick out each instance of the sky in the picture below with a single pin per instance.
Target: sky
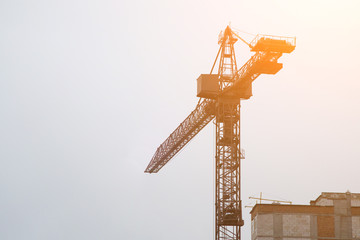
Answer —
(90, 89)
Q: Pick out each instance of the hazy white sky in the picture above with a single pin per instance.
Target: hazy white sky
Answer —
(89, 89)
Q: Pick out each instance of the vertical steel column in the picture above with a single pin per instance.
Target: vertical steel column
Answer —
(227, 181)
(228, 219)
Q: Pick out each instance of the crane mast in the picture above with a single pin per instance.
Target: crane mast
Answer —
(221, 94)
(228, 215)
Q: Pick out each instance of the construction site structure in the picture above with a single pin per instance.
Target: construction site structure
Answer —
(269, 200)
(330, 216)
(220, 96)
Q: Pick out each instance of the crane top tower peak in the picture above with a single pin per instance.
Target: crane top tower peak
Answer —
(227, 36)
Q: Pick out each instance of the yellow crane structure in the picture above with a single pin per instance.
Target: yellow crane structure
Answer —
(269, 200)
(220, 95)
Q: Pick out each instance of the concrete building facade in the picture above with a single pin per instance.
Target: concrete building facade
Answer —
(332, 216)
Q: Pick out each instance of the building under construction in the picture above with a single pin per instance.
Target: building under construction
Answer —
(331, 216)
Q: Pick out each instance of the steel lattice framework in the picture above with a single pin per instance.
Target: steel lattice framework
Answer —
(227, 180)
(233, 85)
(197, 120)
(228, 214)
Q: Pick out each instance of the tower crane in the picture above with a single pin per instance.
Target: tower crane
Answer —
(220, 95)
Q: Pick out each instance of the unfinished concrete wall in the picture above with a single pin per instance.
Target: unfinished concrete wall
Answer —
(253, 228)
(325, 202)
(265, 225)
(355, 202)
(327, 199)
(325, 226)
(281, 226)
(342, 221)
(295, 225)
(356, 227)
